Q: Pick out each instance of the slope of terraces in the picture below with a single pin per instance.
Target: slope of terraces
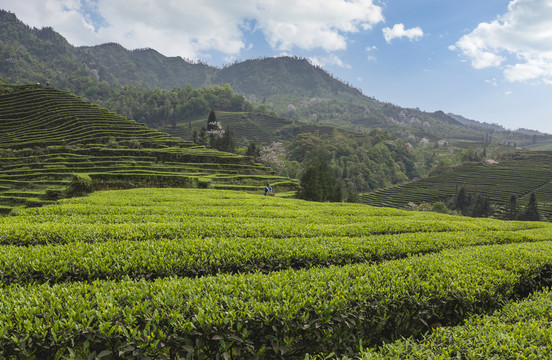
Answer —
(520, 175)
(50, 139)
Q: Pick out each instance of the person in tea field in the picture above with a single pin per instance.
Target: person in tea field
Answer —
(269, 190)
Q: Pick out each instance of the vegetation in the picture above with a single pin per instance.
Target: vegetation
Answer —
(518, 174)
(318, 182)
(506, 334)
(56, 145)
(196, 273)
(169, 273)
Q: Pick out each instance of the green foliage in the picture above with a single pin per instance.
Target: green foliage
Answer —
(212, 121)
(511, 211)
(48, 135)
(518, 173)
(520, 330)
(226, 141)
(468, 204)
(166, 108)
(252, 150)
(472, 154)
(440, 207)
(79, 186)
(531, 212)
(318, 182)
(362, 162)
(145, 241)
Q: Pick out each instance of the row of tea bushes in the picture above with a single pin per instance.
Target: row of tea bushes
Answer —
(149, 259)
(521, 330)
(288, 313)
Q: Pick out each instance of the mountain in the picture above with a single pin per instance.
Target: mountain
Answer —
(291, 87)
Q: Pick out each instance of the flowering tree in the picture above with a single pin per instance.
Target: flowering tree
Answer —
(213, 126)
(273, 156)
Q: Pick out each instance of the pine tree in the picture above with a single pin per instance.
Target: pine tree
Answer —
(531, 212)
(212, 121)
(511, 212)
(461, 200)
(252, 150)
(226, 142)
(202, 138)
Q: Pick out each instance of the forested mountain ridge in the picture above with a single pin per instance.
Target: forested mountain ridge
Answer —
(291, 87)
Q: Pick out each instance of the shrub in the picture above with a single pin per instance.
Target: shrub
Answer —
(79, 187)
(440, 207)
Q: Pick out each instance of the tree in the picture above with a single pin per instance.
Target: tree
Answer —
(351, 192)
(511, 211)
(460, 201)
(531, 212)
(226, 142)
(202, 138)
(440, 207)
(273, 156)
(481, 207)
(318, 182)
(252, 150)
(212, 122)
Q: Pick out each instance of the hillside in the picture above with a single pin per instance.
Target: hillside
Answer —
(204, 274)
(53, 143)
(292, 87)
(262, 128)
(518, 174)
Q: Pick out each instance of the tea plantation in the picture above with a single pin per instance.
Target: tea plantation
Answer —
(52, 144)
(204, 274)
(519, 174)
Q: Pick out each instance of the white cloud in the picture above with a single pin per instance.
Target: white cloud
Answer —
(492, 82)
(329, 60)
(398, 31)
(520, 41)
(65, 16)
(312, 24)
(193, 27)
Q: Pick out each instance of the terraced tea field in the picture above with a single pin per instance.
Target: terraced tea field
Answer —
(260, 128)
(203, 274)
(49, 138)
(521, 174)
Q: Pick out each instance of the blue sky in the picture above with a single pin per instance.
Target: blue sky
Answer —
(487, 60)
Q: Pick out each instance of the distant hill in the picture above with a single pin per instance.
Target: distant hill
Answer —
(270, 77)
(475, 123)
(54, 144)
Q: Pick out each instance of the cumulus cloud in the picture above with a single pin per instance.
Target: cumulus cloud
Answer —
(312, 24)
(398, 31)
(520, 41)
(194, 27)
(65, 16)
